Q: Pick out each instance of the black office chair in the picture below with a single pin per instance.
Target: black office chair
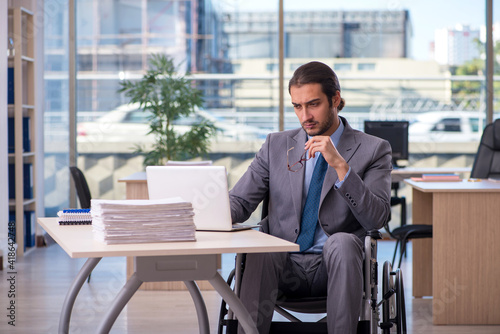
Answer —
(399, 200)
(82, 190)
(403, 234)
(393, 304)
(486, 164)
(487, 160)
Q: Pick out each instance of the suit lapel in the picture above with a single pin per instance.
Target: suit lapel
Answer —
(296, 178)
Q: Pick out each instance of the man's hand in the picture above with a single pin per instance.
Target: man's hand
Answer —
(325, 145)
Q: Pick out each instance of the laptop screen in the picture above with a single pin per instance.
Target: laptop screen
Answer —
(204, 186)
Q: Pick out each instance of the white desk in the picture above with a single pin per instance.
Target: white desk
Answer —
(169, 261)
(459, 266)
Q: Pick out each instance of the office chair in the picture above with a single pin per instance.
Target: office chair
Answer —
(487, 160)
(399, 200)
(403, 234)
(82, 190)
(393, 304)
(486, 164)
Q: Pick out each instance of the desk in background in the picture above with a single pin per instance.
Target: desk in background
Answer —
(460, 265)
(184, 261)
(400, 174)
(136, 186)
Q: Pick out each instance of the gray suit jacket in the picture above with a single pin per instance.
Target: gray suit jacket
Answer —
(362, 203)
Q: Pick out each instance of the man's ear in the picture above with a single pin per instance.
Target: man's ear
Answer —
(336, 99)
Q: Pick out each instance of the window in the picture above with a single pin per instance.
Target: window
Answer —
(231, 48)
(272, 67)
(366, 67)
(342, 67)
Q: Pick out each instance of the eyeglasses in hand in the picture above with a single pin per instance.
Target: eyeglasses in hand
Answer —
(299, 164)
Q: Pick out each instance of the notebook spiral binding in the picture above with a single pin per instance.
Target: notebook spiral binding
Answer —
(74, 217)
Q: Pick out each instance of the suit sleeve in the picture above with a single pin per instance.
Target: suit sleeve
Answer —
(252, 187)
(367, 189)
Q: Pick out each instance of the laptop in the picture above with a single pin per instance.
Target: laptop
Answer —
(204, 186)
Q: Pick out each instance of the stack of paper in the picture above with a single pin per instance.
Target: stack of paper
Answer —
(139, 221)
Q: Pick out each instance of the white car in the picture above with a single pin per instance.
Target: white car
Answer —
(447, 126)
(129, 124)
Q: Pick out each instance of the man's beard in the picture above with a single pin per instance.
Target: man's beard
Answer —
(323, 127)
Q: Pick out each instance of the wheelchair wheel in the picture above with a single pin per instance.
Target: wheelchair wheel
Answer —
(389, 306)
(393, 303)
(400, 301)
(223, 308)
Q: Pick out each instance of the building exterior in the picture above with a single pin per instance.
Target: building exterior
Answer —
(495, 31)
(367, 84)
(115, 39)
(455, 46)
(314, 34)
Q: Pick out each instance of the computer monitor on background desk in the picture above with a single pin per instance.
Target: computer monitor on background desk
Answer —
(395, 132)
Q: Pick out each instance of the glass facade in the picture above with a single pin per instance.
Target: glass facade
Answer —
(116, 38)
(56, 115)
(319, 34)
(232, 56)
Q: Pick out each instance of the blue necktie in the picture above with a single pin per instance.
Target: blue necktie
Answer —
(310, 212)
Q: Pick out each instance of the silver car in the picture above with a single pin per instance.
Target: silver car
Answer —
(129, 124)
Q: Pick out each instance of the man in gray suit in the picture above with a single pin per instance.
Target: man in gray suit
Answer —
(352, 196)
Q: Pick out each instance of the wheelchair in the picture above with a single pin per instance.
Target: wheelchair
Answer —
(392, 301)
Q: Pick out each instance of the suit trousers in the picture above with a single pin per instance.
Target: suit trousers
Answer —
(336, 273)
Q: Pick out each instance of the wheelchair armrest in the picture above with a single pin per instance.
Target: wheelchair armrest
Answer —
(375, 234)
(264, 225)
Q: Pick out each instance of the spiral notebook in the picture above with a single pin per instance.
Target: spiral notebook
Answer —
(74, 217)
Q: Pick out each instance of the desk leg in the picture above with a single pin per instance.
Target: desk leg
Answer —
(201, 308)
(235, 303)
(119, 303)
(73, 291)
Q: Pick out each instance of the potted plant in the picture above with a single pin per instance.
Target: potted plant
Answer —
(167, 96)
